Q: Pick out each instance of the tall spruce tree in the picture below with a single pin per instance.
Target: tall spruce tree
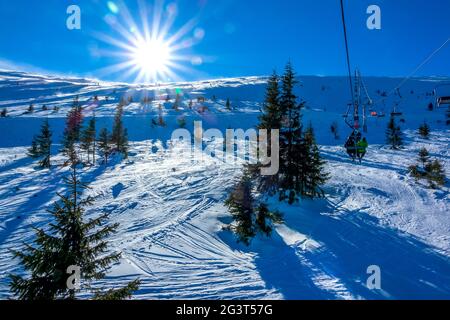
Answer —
(292, 149)
(71, 135)
(71, 240)
(119, 133)
(270, 119)
(315, 167)
(394, 136)
(272, 114)
(104, 146)
(88, 139)
(41, 146)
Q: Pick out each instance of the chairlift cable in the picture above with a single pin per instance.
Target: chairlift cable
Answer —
(347, 52)
(415, 70)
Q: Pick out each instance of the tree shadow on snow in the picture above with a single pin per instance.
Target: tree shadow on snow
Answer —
(353, 240)
(350, 242)
(279, 266)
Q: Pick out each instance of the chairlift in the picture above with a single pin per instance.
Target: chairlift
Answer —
(355, 118)
(395, 112)
(441, 100)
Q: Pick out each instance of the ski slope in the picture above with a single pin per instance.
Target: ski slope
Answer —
(171, 211)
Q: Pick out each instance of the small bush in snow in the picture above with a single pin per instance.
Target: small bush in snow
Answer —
(424, 130)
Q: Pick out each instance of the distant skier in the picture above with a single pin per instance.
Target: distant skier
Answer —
(361, 148)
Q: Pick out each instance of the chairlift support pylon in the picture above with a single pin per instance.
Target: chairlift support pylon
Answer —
(357, 104)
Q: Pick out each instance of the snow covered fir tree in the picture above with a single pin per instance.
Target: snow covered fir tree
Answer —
(71, 240)
(41, 146)
(302, 169)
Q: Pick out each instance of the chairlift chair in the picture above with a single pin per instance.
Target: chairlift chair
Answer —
(441, 100)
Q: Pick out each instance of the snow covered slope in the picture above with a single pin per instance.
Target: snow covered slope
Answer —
(171, 210)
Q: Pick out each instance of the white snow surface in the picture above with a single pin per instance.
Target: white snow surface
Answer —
(171, 211)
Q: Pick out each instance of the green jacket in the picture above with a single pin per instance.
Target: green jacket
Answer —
(362, 145)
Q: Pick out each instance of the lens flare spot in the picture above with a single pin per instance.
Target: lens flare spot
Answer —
(112, 7)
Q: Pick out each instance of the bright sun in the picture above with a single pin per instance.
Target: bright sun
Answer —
(152, 51)
(152, 57)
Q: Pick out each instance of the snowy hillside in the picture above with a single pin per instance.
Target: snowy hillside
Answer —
(171, 210)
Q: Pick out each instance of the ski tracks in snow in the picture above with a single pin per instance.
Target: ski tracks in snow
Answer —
(167, 212)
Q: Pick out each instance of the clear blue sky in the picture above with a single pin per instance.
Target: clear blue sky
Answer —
(241, 37)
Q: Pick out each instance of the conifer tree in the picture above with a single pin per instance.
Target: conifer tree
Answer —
(241, 206)
(272, 115)
(292, 149)
(315, 176)
(119, 133)
(394, 136)
(270, 119)
(424, 157)
(104, 146)
(424, 130)
(228, 104)
(71, 240)
(71, 134)
(41, 146)
(301, 166)
(88, 139)
(435, 174)
(265, 219)
(44, 141)
(249, 216)
(33, 151)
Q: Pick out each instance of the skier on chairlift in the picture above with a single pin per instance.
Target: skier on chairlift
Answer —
(350, 146)
(356, 146)
(361, 148)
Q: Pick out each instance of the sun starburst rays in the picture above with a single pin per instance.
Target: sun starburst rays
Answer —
(149, 54)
